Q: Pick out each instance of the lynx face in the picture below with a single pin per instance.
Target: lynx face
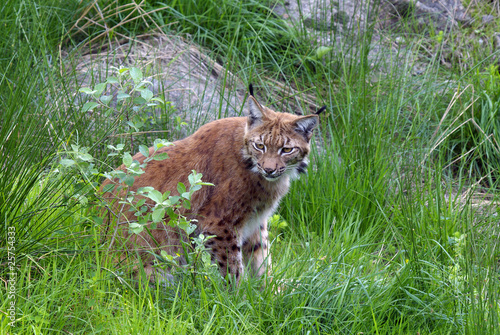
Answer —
(277, 144)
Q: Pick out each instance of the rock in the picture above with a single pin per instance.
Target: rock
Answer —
(496, 41)
(442, 14)
(354, 16)
(487, 19)
(196, 86)
(325, 22)
(338, 16)
(318, 23)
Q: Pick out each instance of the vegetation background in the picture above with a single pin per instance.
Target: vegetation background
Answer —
(395, 229)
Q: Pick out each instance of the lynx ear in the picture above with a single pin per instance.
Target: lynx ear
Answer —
(306, 124)
(256, 113)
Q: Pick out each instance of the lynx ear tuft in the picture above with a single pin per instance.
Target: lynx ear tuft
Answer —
(250, 89)
(319, 111)
(306, 124)
(255, 114)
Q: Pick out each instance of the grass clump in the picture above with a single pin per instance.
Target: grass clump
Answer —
(246, 32)
(29, 134)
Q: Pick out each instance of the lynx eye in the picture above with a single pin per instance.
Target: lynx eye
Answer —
(259, 146)
(286, 150)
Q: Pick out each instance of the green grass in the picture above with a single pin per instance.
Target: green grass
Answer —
(394, 230)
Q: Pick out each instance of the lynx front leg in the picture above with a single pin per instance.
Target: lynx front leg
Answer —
(256, 251)
(226, 252)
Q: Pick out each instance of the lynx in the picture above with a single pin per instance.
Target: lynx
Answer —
(250, 160)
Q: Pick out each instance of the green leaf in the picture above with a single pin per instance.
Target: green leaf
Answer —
(146, 94)
(194, 177)
(195, 188)
(141, 86)
(88, 106)
(144, 150)
(191, 179)
(181, 188)
(86, 90)
(140, 202)
(158, 214)
(206, 258)
(139, 124)
(97, 220)
(186, 204)
(156, 196)
(174, 200)
(172, 215)
(127, 159)
(135, 227)
(166, 256)
(139, 101)
(136, 75)
(206, 184)
(160, 156)
(135, 168)
(99, 88)
(83, 200)
(145, 189)
(322, 51)
(129, 180)
(112, 80)
(108, 188)
(132, 125)
(67, 162)
(145, 219)
(85, 157)
(187, 226)
(158, 99)
(190, 229)
(158, 143)
(122, 96)
(105, 99)
(116, 174)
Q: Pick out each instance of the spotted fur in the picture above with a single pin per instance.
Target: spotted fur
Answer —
(251, 161)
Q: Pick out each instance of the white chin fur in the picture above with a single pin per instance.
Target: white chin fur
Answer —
(293, 174)
(272, 179)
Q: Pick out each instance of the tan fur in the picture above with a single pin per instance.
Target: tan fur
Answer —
(249, 183)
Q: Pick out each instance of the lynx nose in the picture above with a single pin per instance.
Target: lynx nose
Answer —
(269, 171)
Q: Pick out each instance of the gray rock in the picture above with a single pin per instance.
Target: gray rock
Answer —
(325, 15)
(487, 19)
(196, 86)
(354, 16)
(442, 14)
(328, 21)
(496, 41)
